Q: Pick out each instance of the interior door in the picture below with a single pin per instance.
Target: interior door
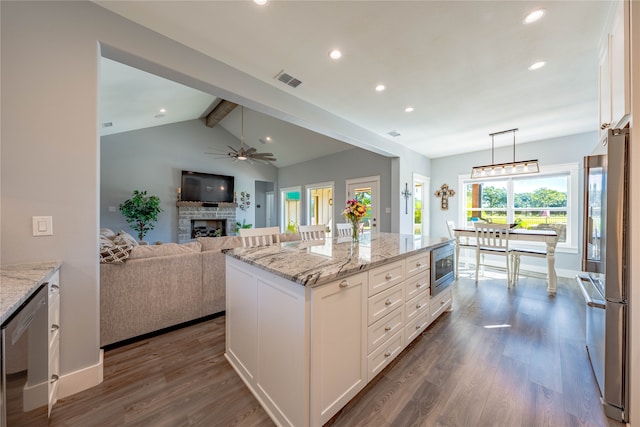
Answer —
(367, 190)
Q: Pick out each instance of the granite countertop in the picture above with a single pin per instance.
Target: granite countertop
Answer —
(317, 262)
(19, 281)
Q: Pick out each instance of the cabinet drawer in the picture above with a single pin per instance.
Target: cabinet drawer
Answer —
(384, 328)
(416, 285)
(417, 263)
(440, 303)
(380, 358)
(416, 307)
(417, 325)
(385, 302)
(385, 276)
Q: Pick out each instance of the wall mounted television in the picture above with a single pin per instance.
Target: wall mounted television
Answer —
(206, 187)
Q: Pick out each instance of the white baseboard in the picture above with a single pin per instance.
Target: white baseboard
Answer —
(77, 381)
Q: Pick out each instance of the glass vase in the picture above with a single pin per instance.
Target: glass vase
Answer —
(355, 232)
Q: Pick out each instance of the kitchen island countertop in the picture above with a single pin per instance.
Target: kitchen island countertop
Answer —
(313, 263)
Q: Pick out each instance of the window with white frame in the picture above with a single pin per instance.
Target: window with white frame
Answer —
(544, 201)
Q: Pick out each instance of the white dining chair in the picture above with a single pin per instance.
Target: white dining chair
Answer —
(253, 237)
(463, 243)
(344, 229)
(312, 232)
(493, 239)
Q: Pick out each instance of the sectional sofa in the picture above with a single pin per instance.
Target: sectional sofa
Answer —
(160, 286)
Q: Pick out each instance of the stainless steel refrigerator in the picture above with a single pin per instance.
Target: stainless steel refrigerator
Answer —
(605, 277)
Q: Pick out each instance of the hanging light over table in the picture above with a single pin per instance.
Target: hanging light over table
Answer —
(502, 169)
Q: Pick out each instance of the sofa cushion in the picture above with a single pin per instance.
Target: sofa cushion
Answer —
(219, 243)
(108, 233)
(149, 251)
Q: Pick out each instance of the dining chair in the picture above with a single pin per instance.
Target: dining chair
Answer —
(312, 232)
(253, 237)
(344, 229)
(493, 239)
(463, 243)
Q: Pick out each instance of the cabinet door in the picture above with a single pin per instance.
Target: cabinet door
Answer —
(338, 345)
(619, 49)
(604, 90)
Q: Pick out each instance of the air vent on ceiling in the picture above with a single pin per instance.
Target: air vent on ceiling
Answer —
(288, 79)
(107, 124)
(393, 133)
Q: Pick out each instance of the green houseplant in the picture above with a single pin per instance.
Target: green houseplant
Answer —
(141, 211)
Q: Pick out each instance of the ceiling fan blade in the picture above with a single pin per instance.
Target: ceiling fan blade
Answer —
(232, 149)
(262, 155)
(250, 151)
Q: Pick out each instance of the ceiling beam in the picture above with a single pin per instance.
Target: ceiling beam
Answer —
(219, 112)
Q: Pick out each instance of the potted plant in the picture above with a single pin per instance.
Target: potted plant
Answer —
(141, 212)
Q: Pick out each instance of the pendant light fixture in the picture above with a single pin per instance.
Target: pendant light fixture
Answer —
(502, 169)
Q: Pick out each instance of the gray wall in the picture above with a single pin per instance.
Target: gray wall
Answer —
(354, 163)
(152, 159)
(550, 152)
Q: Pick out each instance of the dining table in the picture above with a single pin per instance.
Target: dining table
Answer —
(549, 237)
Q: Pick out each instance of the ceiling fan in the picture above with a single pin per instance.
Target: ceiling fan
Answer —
(245, 152)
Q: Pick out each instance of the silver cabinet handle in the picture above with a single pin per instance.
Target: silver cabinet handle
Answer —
(418, 264)
(387, 353)
(442, 302)
(54, 378)
(344, 284)
(418, 326)
(54, 327)
(418, 306)
(387, 328)
(387, 302)
(418, 285)
(389, 276)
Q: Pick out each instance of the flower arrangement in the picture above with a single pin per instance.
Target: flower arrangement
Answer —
(354, 212)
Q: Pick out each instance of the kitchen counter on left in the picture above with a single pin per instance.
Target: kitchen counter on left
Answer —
(19, 281)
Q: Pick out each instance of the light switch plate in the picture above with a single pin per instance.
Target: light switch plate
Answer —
(42, 225)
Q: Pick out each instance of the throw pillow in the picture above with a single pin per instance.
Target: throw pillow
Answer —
(114, 254)
(124, 238)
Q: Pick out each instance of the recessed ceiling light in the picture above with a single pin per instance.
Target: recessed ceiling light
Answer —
(534, 16)
(380, 88)
(260, 2)
(537, 65)
(335, 54)
(162, 110)
(408, 109)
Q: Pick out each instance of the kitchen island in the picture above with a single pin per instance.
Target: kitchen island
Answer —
(309, 324)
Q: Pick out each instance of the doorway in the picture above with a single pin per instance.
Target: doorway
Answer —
(367, 191)
(264, 207)
(420, 205)
(290, 208)
(320, 204)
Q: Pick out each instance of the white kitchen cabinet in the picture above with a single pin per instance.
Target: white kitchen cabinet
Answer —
(439, 303)
(54, 339)
(338, 344)
(615, 70)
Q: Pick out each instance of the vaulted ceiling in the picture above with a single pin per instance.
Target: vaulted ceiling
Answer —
(461, 65)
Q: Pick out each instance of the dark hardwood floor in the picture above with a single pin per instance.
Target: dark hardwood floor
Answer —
(502, 357)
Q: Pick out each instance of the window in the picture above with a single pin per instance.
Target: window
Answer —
(544, 201)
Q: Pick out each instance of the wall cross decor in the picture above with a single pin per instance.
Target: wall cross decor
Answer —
(406, 194)
(444, 193)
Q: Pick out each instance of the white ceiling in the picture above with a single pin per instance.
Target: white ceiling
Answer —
(461, 64)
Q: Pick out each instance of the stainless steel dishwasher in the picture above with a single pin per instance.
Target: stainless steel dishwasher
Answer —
(24, 363)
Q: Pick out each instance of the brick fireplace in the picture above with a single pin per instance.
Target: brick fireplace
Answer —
(195, 219)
